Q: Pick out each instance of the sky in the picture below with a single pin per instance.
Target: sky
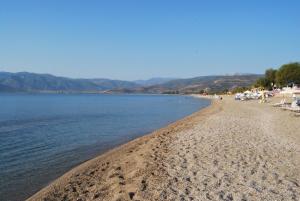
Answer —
(139, 39)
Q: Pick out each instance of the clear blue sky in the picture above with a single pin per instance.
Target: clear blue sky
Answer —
(141, 39)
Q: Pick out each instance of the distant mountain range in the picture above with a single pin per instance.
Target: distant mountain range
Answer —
(210, 84)
(153, 81)
(32, 82)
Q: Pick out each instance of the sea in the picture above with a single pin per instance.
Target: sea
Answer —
(42, 136)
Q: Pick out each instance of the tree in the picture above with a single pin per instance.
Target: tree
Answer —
(268, 80)
(270, 76)
(288, 73)
(239, 89)
(262, 82)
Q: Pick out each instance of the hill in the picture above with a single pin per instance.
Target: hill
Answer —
(32, 82)
(153, 81)
(211, 84)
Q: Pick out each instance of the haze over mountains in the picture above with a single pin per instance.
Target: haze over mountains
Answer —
(153, 81)
(32, 82)
(210, 84)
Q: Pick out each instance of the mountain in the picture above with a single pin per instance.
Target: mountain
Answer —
(107, 84)
(32, 82)
(211, 84)
(153, 81)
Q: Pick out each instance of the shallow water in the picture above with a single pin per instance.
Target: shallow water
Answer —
(44, 135)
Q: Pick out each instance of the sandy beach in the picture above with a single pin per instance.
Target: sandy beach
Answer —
(229, 151)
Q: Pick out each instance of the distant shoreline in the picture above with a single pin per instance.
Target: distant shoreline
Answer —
(46, 83)
(84, 92)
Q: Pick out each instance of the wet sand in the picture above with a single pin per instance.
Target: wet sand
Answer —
(228, 151)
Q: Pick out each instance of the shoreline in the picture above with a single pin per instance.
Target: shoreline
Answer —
(128, 145)
(227, 151)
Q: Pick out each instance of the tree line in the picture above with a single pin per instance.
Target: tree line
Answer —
(286, 75)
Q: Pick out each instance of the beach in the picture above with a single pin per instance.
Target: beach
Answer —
(228, 151)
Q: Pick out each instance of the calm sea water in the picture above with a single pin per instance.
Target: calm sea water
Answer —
(43, 136)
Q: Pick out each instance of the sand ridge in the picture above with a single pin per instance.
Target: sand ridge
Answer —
(228, 151)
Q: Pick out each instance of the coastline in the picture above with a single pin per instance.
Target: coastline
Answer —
(229, 150)
(105, 156)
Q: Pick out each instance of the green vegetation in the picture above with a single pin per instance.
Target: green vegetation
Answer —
(240, 89)
(285, 75)
(288, 73)
(268, 81)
